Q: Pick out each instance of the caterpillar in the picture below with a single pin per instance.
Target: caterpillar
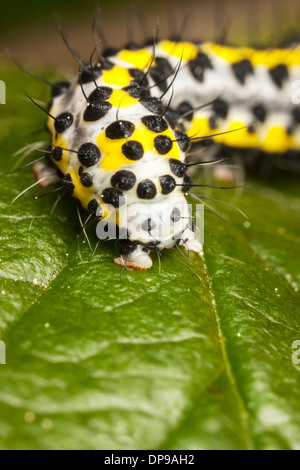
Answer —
(122, 129)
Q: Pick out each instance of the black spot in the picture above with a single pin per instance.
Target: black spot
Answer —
(242, 69)
(114, 197)
(187, 184)
(47, 154)
(251, 129)
(87, 74)
(100, 93)
(110, 51)
(120, 130)
(172, 118)
(185, 107)
(86, 180)
(177, 167)
(183, 141)
(63, 121)
(139, 76)
(136, 91)
(59, 173)
(290, 130)
(198, 66)
(159, 78)
(146, 189)
(164, 65)
(125, 247)
(155, 123)
(279, 74)
(57, 154)
(123, 180)
(160, 72)
(296, 115)
(76, 202)
(148, 225)
(88, 154)
(168, 184)
(154, 105)
(59, 88)
(212, 122)
(259, 112)
(94, 207)
(163, 144)
(175, 215)
(220, 107)
(133, 150)
(96, 110)
(106, 64)
(67, 183)
(80, 171)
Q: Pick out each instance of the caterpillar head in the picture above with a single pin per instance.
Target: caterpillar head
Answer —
(153, 227)
(116, 149)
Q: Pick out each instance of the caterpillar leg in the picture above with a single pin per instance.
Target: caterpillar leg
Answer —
(135, 255)
(189, 240)
(45, 174)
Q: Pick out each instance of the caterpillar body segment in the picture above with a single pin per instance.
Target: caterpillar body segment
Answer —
(244, 87)
(116, 151)
(122, 128)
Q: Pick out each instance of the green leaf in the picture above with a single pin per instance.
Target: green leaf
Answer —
(197, 355)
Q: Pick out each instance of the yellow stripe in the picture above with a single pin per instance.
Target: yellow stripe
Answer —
(111, 150)
(64, 162)
(121, 99)
(117, 76)
(200, 127)
(186, 50)
(277, 140)
(81, 192)
(239, 137)
(269, 58)
(140, 58)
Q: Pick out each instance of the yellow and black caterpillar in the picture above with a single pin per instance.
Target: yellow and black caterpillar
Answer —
(122, 128)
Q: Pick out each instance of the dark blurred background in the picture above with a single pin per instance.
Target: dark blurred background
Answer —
(29, 28)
